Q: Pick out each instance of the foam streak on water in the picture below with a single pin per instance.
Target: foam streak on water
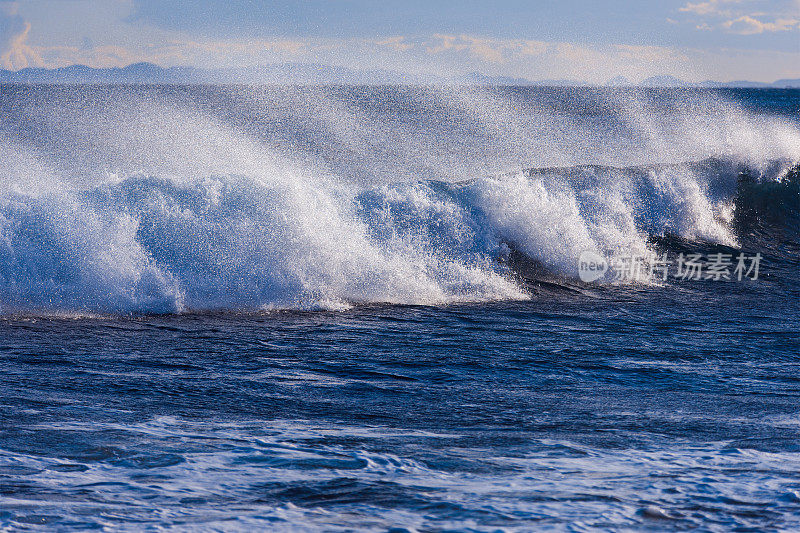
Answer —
(258, 470)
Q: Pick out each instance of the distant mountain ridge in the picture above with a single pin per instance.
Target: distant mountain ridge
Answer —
(311, 74)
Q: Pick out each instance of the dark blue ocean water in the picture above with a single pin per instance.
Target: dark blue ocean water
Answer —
(321, 309)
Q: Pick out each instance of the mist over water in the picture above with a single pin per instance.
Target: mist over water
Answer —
(171, 199)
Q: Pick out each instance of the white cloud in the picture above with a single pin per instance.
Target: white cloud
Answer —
(745, 17)
(708, 8)
(533, 48)
(748, 25)
(498, 51)
(489, 50)
(397, 43)
(15, 53)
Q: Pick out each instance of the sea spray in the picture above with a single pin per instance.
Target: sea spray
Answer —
(179, 199)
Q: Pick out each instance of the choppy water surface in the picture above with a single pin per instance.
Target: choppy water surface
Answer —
(346, 309)
(624, 410)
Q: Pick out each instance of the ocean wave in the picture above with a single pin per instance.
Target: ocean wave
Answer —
(147, 244)
(165, 200)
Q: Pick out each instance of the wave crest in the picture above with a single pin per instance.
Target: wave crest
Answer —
(156, 245)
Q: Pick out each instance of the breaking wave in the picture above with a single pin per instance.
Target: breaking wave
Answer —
(150, 244)
(215, 219)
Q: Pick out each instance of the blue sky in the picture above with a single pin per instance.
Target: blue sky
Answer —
(578, 39)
